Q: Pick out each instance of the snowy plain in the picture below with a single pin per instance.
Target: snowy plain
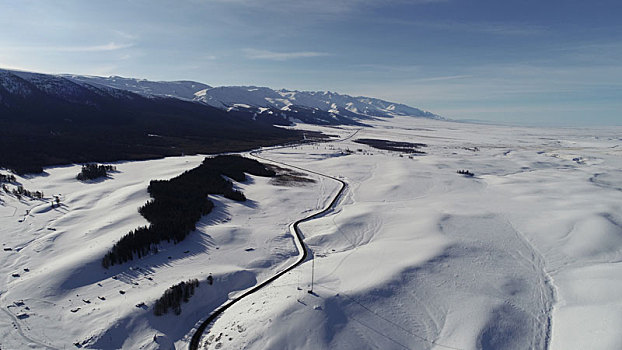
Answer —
(527, 254)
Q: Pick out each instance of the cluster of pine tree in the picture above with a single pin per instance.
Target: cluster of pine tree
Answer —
(21, 191)
(180, 202)
(7, 178)
(465, 173)
(173, 297)
(94, 171)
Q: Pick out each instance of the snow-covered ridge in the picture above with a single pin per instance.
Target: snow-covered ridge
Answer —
(35, 86)
(178, 89)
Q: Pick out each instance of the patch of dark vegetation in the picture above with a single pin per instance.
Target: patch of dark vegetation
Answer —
(94, 171)
(172, 297)
(73, 123)
(465, 173)
(20, 192)
(405, 147)
(180, 202)
(315, 136)
(289, 177)
(7, 178)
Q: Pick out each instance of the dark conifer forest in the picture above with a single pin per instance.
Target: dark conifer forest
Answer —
(397, 146)
(177, 204)
(172, 297)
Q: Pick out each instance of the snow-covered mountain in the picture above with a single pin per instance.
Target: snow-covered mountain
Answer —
(336, 106)
(331, 102)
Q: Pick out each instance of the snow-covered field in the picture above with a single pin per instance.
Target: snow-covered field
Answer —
(525, 254)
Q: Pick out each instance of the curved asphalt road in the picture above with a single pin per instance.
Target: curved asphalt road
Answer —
(196, 337)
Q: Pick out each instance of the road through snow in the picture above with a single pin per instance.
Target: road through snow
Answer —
(196, 337)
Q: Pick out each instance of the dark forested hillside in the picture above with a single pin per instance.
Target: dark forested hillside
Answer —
(50, 120)
(177, 204)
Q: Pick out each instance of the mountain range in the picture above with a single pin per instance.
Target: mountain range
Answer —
(62, 119)
(330, 106)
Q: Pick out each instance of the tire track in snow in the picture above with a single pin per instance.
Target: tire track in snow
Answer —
(548, 290)
(19, 330)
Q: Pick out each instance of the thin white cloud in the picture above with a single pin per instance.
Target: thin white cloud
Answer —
(281, 56)
(390, 67)
(443, 78)
(125, 35)
(319, 7)
(593, 53)
(478, 27)
(111, 46)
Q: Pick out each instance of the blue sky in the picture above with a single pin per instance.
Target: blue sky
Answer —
(528, 62)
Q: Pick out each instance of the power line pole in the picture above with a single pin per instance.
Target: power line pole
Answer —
(310, 291)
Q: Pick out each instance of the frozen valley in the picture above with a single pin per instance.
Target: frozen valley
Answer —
(526, 254)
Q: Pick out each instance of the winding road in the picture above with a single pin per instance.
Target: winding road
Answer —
(196, 337)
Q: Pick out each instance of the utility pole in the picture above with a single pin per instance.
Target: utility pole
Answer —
(310, 291)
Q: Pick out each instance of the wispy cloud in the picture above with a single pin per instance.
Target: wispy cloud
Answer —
(281, 56)
(389, 67)
(443, 78)
(326, 7)
(410, 72)
(111, 46)
(478, 27)
(593, 53)
(125, 35)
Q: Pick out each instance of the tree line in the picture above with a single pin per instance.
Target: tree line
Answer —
(178, 204)
(388, 145)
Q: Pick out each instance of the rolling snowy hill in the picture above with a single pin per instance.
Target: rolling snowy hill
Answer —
(523, 255)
